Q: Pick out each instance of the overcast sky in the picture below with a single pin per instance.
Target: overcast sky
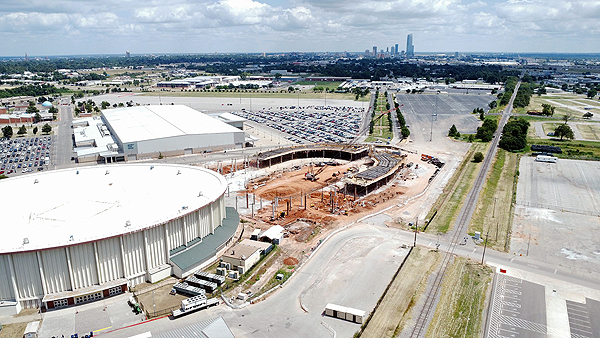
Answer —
(64, 27)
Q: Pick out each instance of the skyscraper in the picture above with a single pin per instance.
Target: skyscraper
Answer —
(396, 50)
(375, 51)
(410, 48)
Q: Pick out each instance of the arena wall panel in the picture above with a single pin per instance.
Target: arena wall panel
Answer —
(83, 263)
(6, 287)
(109, 260)
(175, 233)
(204, 221)
(56, 270)
(29, 281)
(134, 254)
(156, 246)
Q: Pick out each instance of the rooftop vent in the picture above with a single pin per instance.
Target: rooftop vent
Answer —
(107, 172)
(71, 239)
(178, 172)
(77, 172)
(25, 240)
(127, 223)
(151, 167)
(36, 181)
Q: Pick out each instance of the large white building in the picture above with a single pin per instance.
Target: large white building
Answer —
(151, 131)
(76, 235)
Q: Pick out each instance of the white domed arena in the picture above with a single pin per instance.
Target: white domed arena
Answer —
(76, 235)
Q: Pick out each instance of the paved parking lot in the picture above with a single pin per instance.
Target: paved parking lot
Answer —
(559, 203)
(98, 317)
(443, 103)
(518, 309)
(310, 123)
(26, 154)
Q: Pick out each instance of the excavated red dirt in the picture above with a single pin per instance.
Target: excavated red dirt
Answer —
(290, 261)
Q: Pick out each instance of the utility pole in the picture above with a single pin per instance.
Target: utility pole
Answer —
(485, 245)
(416, 229)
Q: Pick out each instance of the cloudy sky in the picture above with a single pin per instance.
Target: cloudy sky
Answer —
(65, 27)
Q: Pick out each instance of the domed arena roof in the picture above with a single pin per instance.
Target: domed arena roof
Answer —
(47, 104)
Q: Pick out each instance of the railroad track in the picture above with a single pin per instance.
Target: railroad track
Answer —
(461, 224)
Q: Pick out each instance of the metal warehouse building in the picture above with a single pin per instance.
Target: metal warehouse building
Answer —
(169, 130)
(92, 232)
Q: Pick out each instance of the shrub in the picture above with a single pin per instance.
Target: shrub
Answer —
(478, 157)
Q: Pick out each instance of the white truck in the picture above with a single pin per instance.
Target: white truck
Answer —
(193, 304)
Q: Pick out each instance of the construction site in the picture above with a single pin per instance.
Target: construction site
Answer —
(306, 189)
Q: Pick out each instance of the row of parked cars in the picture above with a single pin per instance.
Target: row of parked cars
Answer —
(310, 123)
(24, 154)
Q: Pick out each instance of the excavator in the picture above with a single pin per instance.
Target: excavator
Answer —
(314, 176)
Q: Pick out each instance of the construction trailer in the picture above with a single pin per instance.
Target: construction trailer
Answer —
(345, 313)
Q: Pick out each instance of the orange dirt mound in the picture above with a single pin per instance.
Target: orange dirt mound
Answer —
(290, 261)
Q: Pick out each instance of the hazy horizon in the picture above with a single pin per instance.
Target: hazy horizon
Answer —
(93, 27)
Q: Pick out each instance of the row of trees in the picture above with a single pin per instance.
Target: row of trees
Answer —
(31, 90)
(7, 131)
(401, 122)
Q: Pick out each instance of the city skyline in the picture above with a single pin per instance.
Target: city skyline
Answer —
(247, 26)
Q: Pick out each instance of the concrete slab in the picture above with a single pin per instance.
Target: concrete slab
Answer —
(99, 316)
(559, 203)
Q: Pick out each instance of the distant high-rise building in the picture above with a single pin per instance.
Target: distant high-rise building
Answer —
(410, 48)
(127, 54)
(396, 50)
(374, 50)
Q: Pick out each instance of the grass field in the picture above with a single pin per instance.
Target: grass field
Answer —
(549, 127)
(493, 211)
(579, 150)
(450, 201)
(381, 128)
(459, 312)
(327, 85)
(396, 304)
(13, 330)
(589, 131)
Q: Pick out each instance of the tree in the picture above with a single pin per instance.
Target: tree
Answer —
(478, 157)
(290, 89)
(587, 115)
(567, 117)
(277, 76)
(481, 115)
(548, 109)
(32, 108)
(405, 131)
(591, 93)
(46, 128)
(37, 118)
(35, 130)
(564, 130)
(452, 132)
(22, 130)
(105, 104)
(7, 132)
(493, 104)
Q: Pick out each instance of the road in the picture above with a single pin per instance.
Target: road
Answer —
(63, 141)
